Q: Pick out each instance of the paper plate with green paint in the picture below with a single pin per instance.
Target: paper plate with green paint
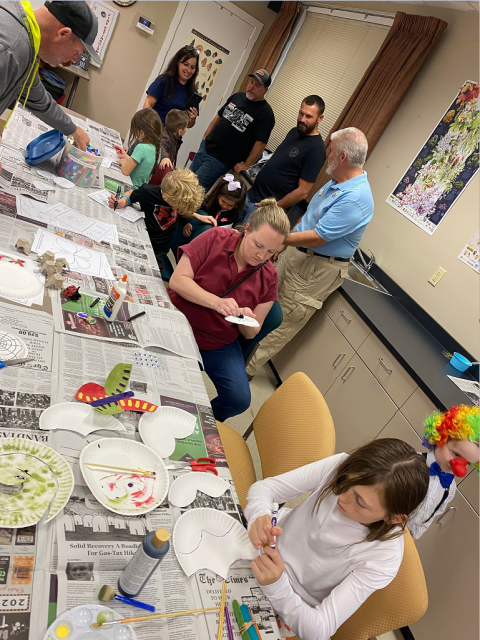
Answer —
(27, 482)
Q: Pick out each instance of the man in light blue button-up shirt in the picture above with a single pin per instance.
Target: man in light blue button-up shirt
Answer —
(319, 248)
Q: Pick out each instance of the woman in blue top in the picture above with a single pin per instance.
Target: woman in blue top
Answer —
(175, 85)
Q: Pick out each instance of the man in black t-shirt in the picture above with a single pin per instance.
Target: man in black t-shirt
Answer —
(238, 134)
(292, 170)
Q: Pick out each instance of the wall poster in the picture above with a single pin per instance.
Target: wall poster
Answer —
(106, 16)
(444, 166)
(211, 60)
(469, 253)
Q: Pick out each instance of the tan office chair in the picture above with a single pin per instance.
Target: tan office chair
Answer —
(239, 461)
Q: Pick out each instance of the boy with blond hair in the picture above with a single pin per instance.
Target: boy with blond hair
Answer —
(179, 195)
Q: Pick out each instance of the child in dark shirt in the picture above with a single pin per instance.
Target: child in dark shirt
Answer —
(179, 195)
(175, 127)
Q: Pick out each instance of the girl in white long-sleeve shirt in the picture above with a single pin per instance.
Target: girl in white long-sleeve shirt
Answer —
(343, 542)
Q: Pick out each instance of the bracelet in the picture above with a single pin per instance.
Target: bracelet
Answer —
(128, 199)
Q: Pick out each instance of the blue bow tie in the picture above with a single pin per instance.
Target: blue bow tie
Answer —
(445, 478)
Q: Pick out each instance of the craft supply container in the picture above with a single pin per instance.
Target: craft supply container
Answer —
(81, 167)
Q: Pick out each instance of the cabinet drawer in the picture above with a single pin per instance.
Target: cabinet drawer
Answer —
(399, 428)
(469, 488)
(416, 409)
(359, 406)
(346, 319)
(321, 354)
(387, 370)
(449, 555)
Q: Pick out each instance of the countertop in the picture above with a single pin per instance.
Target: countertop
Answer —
(409, 341)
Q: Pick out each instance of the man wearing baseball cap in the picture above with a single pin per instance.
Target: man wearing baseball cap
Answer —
(238, 134)
(57, 33)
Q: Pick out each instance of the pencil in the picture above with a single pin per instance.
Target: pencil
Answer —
(222, 611)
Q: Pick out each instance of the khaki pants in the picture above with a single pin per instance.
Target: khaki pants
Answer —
(304, 283)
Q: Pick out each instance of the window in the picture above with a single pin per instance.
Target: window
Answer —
(328, 56)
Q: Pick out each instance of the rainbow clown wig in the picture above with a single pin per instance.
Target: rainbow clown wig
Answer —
(459, 423)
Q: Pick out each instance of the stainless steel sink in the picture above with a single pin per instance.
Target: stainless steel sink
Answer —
(357, 273)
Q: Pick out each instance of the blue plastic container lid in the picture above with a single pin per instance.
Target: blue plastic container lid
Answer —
(45, 146)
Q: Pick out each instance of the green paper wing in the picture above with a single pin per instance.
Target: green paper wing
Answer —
(118, 379)
(109, 409)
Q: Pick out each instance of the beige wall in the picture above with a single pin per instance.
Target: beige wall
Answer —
(113, 92)
(408, 254)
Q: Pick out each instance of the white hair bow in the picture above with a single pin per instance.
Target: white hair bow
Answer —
(233, 184)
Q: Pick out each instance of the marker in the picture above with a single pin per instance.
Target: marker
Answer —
(94, 303)
(137, 315)
(274, 523)
(119, 192)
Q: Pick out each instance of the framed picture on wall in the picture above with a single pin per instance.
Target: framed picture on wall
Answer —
(106, 16)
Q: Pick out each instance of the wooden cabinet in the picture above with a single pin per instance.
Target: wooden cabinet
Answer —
(387, 370)
(322, 354)
(359, 406)
(416, 409)
(282, 357)
(346, 319)
(469, 488)
(449, 555)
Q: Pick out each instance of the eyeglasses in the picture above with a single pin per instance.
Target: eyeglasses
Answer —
(189, 47)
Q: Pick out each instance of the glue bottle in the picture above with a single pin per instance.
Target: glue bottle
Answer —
(115, 299)
(148, 556)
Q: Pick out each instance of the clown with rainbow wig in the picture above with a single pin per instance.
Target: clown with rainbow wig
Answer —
(452, 439)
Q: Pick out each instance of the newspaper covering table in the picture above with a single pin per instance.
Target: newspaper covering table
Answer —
(63, 564)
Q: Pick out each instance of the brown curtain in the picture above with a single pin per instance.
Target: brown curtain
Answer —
(272, 45)
(387, 80)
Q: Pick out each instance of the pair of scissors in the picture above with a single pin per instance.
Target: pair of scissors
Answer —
(8, 363)
(199, 464)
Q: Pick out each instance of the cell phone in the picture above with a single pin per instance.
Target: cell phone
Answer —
(193, 101)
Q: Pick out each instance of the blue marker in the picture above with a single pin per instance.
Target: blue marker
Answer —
(274, 523)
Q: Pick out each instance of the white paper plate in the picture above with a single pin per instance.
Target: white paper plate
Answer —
(128, 494)
(184, 489)
(210, 539)
(246, 320)
(79, 620)
(12, 347)
(160, 429)
(18, 282)
(78, 417)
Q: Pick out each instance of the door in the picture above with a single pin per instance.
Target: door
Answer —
(359, 406)
(322, 354)
(231, 33)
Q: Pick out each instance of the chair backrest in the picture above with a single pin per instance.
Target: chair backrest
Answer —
(401, 603)
(239, 461)
(294, 427)
(272, 321)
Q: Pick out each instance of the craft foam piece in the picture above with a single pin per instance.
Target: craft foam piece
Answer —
(123, 492)
(12, 347)
(77, 624)
(118, 379)
(72, 416)
(18, 282)
(159, 430)
(40, 465)
(212, 540)
(246, 320)
(183, 490)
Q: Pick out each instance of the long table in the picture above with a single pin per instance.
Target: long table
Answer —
(84, 534)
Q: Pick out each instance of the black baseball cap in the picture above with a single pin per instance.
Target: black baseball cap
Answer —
(262, 76)
(78, 17)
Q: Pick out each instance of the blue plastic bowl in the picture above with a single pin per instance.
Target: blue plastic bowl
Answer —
(459, 362)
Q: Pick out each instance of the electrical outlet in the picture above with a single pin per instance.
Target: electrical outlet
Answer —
(437, 276)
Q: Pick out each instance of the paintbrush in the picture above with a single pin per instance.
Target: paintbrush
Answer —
(154, 617)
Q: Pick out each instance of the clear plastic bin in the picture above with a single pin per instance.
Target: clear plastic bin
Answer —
(81, 167)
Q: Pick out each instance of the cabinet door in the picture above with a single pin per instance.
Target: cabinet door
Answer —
(387, 370)
(281, 358)
(359, 406)
(346, 319)
(321, 354)
(449, 555)
(469, 488)
(416, 409)
(399, 428)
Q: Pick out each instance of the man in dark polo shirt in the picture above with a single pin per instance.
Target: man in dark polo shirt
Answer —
(238, 134)
(291, 172)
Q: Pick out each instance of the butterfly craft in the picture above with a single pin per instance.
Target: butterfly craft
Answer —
(114, 397)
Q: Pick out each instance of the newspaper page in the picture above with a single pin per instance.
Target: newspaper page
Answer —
(18, 177)
(160, 327)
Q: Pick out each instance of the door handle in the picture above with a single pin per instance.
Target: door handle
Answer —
(385, 366)
(337, 359)
(347, 319)
(345, 375)
(444, 514)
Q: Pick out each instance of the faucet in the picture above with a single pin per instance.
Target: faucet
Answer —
(371, 262)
